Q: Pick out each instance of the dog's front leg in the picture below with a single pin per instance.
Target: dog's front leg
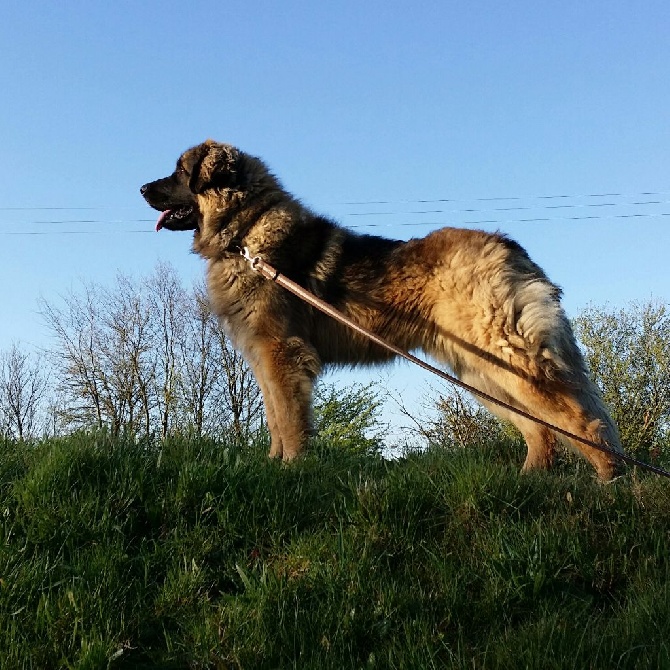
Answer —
(276, 445)
(286, 370)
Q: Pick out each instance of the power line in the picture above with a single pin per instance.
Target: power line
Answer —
(396, 213)
(511, 209)
(574, 196)
(515, 197)
(38, 208)
(76, 232)
(61, 221)
(544, 210)
(466, 210)
(479, 222)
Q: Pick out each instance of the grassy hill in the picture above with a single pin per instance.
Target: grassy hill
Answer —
(193, 554)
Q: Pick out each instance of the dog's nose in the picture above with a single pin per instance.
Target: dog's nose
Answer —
(143, 189)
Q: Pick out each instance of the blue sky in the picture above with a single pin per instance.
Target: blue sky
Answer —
(389, 104)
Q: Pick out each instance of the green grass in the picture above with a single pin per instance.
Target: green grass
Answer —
(194, 554)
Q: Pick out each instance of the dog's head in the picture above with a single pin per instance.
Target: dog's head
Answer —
(209, 165)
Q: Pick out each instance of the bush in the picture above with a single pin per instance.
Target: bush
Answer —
(628, 352)
(349, 417)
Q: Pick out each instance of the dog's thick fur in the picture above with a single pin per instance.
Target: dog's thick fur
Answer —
(473, 300)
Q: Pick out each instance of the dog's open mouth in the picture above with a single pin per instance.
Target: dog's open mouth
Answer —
(180, 218)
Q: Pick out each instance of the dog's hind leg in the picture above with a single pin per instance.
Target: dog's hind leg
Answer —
(541, 443)
(599, 429)
(577, 411)
(581, 413)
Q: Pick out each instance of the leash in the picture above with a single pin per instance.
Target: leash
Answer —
(269, 272)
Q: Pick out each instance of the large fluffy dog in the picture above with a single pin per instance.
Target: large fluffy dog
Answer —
(473, 300)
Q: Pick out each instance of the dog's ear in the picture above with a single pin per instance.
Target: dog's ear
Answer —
(211, 165)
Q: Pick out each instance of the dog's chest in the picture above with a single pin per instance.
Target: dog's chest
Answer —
(235, 294)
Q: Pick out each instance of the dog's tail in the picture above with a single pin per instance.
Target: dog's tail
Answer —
(535, 320)
(536, 316)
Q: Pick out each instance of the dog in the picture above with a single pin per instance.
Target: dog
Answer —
(472, 300)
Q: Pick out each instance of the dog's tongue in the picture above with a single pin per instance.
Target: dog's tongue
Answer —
(164, 215)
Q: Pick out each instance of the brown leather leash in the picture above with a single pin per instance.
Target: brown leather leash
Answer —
(269, 272)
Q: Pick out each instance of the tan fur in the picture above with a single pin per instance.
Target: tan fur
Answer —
(473, 300)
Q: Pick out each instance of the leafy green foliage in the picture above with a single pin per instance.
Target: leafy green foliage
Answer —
(193, 553)
(350, 416)
(628, 352)
(458, 421)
